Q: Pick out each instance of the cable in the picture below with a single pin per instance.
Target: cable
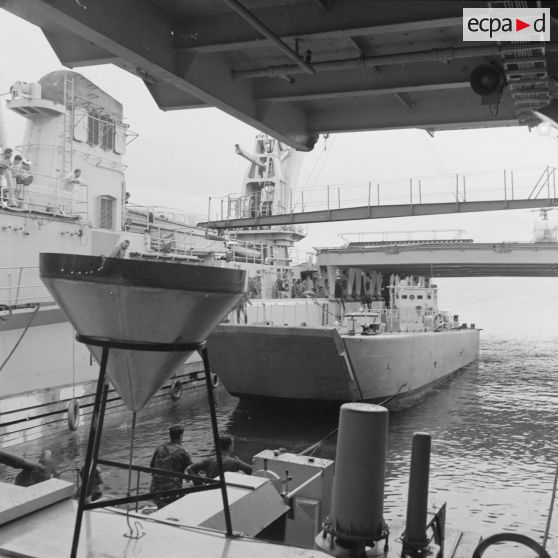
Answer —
(20, 337)
(130, 472)
(551, 507)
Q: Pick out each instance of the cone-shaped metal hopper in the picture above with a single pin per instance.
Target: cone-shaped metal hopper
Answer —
(141, 302)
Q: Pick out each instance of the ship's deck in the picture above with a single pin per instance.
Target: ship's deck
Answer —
(48, 533)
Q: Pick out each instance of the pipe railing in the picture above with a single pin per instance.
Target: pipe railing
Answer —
(54, 198)
(20, 285)
(503, 184)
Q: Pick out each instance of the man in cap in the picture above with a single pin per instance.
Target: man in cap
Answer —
(6, 175)
(209, 467)
(171, 457)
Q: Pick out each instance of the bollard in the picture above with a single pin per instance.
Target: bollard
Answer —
(417, 503)
(356, 518)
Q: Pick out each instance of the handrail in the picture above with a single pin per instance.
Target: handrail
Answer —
(48, 199)
(506, 184)
(25, 288)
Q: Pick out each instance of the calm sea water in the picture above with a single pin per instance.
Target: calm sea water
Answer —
(493, 424)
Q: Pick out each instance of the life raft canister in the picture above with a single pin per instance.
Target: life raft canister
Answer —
(176, 390)
(73, 415)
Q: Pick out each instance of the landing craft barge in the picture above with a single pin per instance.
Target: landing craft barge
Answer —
(376, 352)
(378, 334)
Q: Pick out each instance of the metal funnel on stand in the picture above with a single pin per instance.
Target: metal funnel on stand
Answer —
(142, 302)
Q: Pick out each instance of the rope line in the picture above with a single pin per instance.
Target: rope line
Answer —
(31, 318)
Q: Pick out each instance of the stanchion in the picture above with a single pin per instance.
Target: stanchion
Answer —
(97, 419)
(211, 401)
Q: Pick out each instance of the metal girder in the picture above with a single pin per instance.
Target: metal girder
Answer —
(379, 212)
(73, 50)
(442, 110)
(139, 33)
(433, 76)
(306, 21)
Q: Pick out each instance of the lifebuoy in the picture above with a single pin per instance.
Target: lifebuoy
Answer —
(73, 414)
(214, 380)
(4, 308)
(285, 285)
(512, 537)
(176, 390)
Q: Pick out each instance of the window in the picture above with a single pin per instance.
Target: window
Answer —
(100, 131)
(107, 212)
(107, 133)
(81, 118)
(420, 296)
(92, 129)
(404, 297)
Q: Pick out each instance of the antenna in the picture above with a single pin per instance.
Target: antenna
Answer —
(543, 212)
(542, 231)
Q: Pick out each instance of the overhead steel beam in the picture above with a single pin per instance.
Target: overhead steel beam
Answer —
(405, 100)
(269, 35)
(345, 92)
(426, 77)
(73, 50)
(222, 32)
(379, 212)
(436, 110)
(442, 55)
(137, 32)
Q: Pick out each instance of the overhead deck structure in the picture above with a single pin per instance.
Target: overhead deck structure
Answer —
(301, 68)
(448, 259)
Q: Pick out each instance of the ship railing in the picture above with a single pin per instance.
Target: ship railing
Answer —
(288, 312)
(414, 236)
(48, 194)
(474, 186)
(142, 218)
(235, 206)
(21, 286)
(187, 241)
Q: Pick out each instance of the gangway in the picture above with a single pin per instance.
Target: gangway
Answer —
(524, 188)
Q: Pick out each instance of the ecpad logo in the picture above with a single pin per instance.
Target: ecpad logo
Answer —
(506, 24)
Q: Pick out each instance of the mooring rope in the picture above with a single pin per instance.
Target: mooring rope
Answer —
(32, 317)
(130, 462)
(551, 507)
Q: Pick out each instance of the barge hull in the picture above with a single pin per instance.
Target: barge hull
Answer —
(318, 364)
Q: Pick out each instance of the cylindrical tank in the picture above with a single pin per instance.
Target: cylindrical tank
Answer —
(358, 488)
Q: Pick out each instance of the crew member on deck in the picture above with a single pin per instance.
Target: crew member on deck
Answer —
(170, 457)
(96, 485)
(119, 251)
(241, 308)
(209, 468)
(71, 179)
(6, 175)
(31, 472)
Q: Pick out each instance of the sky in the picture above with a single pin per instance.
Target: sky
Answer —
(182, 157)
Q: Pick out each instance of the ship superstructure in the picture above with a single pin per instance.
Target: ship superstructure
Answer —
(74, 200)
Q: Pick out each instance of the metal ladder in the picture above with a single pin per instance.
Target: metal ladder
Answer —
(68, 139)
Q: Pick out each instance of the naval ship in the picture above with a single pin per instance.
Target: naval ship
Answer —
(48, 379)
